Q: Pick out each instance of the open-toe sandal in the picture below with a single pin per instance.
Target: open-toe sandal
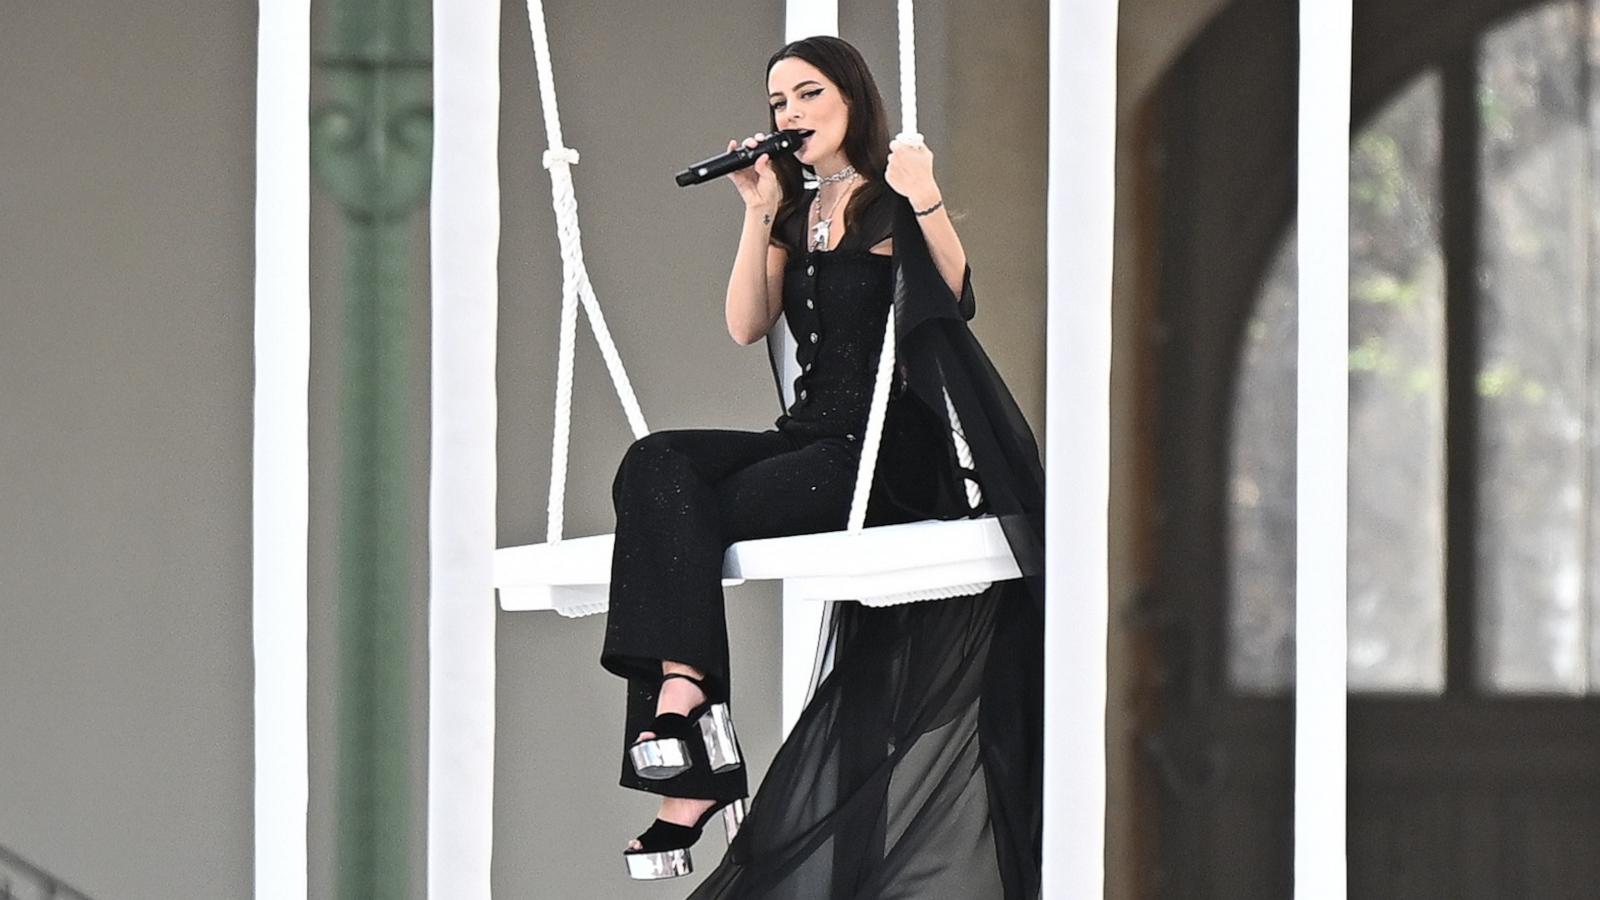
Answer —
(678, 737)
(664, 847)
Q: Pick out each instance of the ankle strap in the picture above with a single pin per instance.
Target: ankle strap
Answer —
(685, 676)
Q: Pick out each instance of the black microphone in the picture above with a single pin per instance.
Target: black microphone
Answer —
(740, 157)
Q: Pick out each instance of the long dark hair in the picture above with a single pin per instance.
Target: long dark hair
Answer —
(866, 136)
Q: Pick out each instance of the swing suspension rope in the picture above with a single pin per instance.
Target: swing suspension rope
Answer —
(576, 288)
(886, 357)
(575, 285)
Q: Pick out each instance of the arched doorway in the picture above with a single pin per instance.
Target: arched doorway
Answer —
(1475, 454)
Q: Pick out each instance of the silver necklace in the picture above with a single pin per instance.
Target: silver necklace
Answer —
(819, 231)
(812, 182)
(840, 175)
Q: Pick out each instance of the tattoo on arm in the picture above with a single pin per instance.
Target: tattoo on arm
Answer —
(766, 218)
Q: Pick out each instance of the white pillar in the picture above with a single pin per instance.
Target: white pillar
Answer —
(280, 474)
(802, 619)
(1322, 451)
(804, 18)
(465, 232)
(1082, 170)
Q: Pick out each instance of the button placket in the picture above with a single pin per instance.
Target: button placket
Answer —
(810, 337)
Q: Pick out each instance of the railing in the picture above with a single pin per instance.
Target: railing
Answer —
(22, 880)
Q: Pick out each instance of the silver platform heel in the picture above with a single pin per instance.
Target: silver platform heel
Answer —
(660, 758)
(722, 745)
(667, 755)
(648, 866)
(665, 846)
(733, 819)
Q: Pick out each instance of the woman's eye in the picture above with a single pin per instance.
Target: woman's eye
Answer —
(806, 96)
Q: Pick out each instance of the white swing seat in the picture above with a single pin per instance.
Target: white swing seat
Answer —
(880, 566)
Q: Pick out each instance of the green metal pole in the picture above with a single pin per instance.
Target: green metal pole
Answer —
(371, 147)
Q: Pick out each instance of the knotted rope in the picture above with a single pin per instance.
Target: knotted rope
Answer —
(575, 285)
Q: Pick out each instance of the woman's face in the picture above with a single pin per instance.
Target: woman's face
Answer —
(802, 97)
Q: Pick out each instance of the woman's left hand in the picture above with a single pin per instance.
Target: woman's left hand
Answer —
(910, 172)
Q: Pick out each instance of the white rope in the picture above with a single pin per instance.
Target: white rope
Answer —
(561, 435)
(575, 285)
(874, 435)
(908, 72)
(878, 412)
(880, 391)
(974, 500)
(963, 452)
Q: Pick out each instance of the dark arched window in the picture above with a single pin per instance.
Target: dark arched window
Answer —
(1475, 385)
(1474, 454)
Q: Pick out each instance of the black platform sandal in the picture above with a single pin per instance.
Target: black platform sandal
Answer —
(664, 847)
(668, 754)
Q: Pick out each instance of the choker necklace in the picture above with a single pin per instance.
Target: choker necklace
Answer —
(842, 174)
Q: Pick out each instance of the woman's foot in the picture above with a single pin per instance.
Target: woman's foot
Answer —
(678, 695)
(679, 811)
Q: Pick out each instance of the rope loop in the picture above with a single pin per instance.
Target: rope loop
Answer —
(560, 156)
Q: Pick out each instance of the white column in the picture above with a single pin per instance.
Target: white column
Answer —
(465, 231)
(279, 465)
(1323, 445)
(802, 619)
(804, 18)
(1083, 40)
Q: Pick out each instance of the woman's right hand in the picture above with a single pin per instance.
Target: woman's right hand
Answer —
(758, 184)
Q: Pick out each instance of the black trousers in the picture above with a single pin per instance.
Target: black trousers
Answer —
(682, 497)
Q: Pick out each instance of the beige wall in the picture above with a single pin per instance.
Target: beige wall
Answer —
(125, 317)
(125, 348)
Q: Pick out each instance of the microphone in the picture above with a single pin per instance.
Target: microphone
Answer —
(740, 157)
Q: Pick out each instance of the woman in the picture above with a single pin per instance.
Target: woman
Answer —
(914, 770)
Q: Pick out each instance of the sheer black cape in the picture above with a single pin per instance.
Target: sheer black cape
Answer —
(916, 769)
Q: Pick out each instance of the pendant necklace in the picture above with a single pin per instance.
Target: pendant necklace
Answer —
(819, 231)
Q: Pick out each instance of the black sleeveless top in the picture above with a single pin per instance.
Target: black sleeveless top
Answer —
(836, 303)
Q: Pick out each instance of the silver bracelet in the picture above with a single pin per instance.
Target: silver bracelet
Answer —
(923, 212)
